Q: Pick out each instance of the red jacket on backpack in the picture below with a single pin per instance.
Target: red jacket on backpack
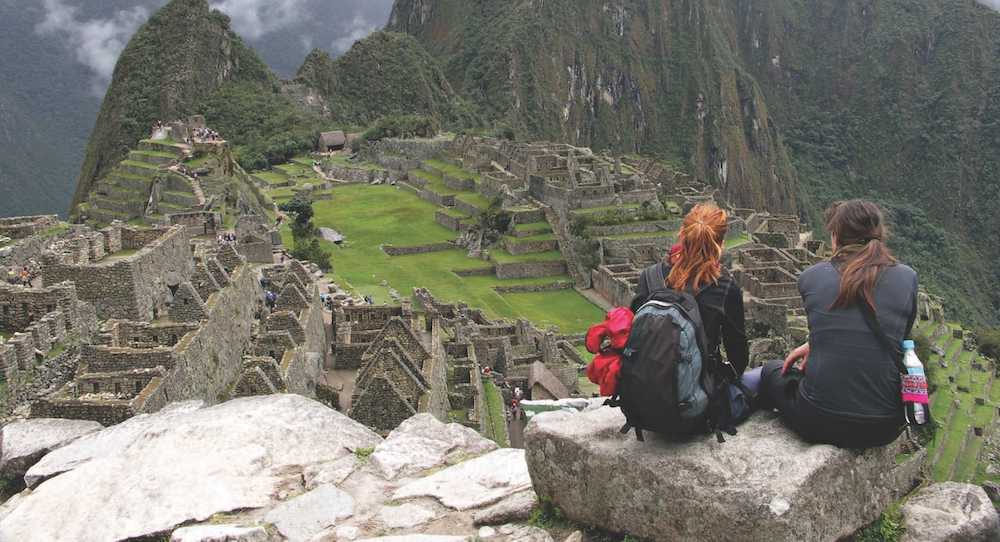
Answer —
(607, 340)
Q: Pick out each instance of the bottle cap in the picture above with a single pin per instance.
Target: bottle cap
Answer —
(909, 345)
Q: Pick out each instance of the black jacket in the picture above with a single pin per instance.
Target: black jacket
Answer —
(721, 306)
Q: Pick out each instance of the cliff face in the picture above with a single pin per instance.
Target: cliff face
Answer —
(897, 101)
(384, 74)
(661, 77)
(786, 105)
(181, 55)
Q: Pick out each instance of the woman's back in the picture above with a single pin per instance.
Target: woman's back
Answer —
(851, 374)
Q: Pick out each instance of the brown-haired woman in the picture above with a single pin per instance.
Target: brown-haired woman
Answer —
(846, 388)
(694, 264)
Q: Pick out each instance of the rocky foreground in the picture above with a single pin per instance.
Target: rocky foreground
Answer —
(284, 467)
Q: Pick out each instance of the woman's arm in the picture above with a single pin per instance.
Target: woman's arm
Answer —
(734, 333)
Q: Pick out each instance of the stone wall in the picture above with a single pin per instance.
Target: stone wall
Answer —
(209, 361)
(453, 223)
(359, 175)
(520, 270)
(435, 401)
(20, 227)
(305, 368)
(256, 252)
(198, 222)
(616, 290)
(20, 307)
(437, 199)
(420, 249)
(134, 287)
(517, 247)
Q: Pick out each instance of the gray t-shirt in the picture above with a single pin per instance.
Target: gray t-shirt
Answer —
(850, 373)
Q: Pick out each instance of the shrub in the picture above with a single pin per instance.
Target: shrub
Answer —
(989, 342)
(402, 126)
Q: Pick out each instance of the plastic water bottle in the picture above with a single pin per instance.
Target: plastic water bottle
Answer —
(915, 384)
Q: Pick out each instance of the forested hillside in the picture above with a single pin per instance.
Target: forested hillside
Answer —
(786, 105)
(184, 53)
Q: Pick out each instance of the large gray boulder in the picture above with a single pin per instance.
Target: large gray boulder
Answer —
(23, 443)
(422, 442)
(155, 472)
(764, 484)
(950, 512)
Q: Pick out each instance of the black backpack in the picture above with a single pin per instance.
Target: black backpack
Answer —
(668, 384)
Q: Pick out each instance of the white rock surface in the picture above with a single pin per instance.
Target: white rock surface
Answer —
(950, 512)
(406, 516)
(23, 443)
(764, 484)
(475, 483)
(309, 514)
(107, 441)
(220, 533)
(525, 533)
(422, 442)
(517, 507)
(347, 532)
(152, 473)
(418, 538)
(330, 472)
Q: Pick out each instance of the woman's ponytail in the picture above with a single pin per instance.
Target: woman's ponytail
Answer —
(859, 227)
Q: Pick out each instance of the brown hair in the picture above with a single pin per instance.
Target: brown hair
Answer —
(701, 239)
(859, 223)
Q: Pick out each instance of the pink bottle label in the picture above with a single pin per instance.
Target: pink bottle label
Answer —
(915, 389)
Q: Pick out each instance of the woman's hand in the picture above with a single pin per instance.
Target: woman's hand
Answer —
(800, 353)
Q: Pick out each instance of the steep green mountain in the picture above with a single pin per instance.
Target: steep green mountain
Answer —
(386, 73)
(786, 105)
(658, 77)
(183, 54)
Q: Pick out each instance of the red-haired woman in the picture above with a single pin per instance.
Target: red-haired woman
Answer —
(694, 263)
(846, 388)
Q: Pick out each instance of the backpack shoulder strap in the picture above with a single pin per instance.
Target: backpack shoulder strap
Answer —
(656, 277)
(872, 320)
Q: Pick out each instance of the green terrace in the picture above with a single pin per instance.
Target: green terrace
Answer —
(370, 216)
(955, 452)
(502, 256)
(452, 170)
(533, 228)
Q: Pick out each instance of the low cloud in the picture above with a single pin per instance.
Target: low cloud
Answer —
(96, 43)
(995, 4)
(255, 18)
(357, 29)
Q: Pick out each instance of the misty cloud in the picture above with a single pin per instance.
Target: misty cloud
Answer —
(357, 29)
(255, 18)
(96, 43)
(995, 4)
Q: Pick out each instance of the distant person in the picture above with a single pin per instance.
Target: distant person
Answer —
(695, 264)
(843, 386)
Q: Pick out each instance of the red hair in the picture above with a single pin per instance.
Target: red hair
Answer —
(701, 240)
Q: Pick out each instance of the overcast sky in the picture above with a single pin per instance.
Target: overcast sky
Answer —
(282, 31)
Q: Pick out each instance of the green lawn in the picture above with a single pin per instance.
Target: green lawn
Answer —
(370, 216)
